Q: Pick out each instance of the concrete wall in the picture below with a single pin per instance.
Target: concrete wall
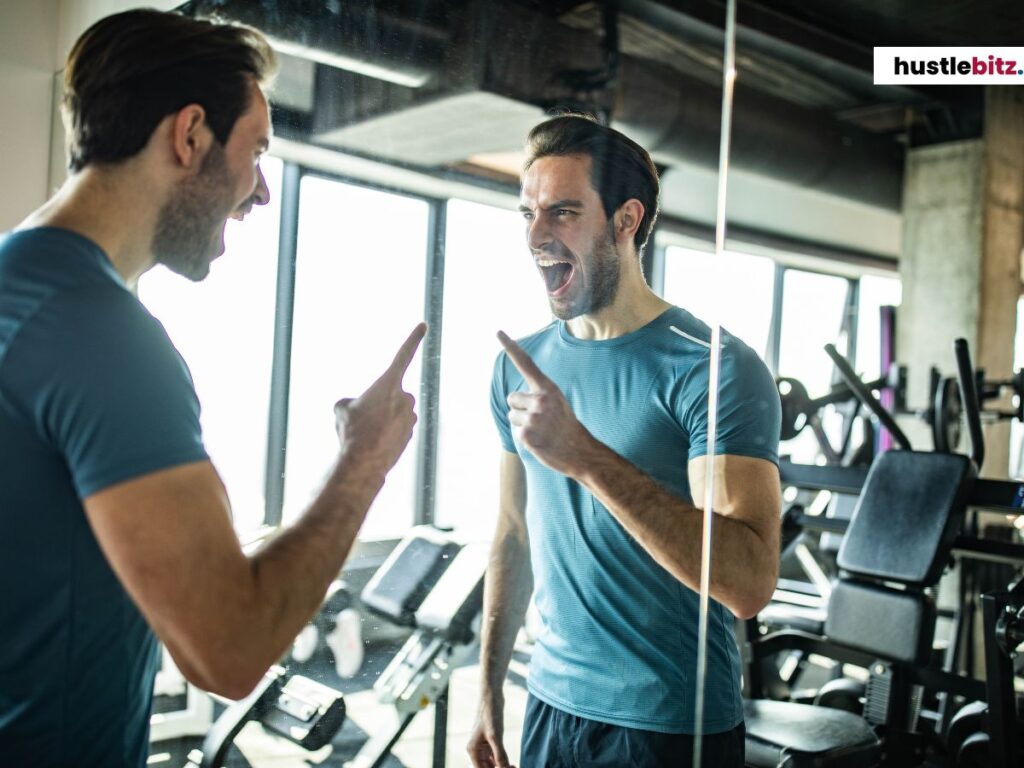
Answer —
(690, 192)
(28, 56)
(961, 258)
(35, 36)
(941, 263)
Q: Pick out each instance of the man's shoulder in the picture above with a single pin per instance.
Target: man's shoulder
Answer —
(539, 337)
(685, 349)
(530, 343)
(47, 271)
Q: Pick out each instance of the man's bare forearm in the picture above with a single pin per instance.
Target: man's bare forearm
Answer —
(290, 575)
(240, 613)
(669, 528)
(507, 590)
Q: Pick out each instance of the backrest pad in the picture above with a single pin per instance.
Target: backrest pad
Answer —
(909, 513)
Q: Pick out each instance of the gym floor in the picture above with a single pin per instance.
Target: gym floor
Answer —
(365, 715)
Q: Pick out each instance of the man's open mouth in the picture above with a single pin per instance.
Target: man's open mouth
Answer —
(557, 274)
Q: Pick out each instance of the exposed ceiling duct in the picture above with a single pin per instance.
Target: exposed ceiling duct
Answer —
(435, 82)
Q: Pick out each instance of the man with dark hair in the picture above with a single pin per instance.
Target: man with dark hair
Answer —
(603, 416)
(115, 524)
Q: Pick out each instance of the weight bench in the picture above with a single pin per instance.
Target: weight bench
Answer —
(897, 544)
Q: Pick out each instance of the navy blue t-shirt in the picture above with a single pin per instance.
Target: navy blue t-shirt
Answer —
(618, 640)
(92, 393)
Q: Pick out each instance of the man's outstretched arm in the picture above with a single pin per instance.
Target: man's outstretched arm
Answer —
(226, 617)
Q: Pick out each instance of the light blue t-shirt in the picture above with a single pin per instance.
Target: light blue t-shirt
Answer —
(92, 393)
(619, 633)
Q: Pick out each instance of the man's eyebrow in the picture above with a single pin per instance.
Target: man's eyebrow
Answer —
(554, 205)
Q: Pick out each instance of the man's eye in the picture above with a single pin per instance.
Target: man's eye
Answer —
(527, 216)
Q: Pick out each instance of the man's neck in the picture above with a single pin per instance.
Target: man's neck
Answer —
(635, 306)
(113, 209)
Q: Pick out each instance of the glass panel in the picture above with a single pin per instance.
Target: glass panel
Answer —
(812, 315)
(1016, 428)
(224, 328)
(875, 292)
(360, 272)
(693, 280)
(481, 241)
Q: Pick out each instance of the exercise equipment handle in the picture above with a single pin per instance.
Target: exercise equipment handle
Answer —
(969, 398)
(864, 395)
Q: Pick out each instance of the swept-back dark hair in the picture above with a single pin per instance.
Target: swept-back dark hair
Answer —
(127, 72)
(620, 169)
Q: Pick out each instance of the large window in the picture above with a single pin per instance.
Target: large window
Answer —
(813, 315)
(360, 278)
(359, 290)
(224, 328)
(875, 293)
(491, 284)
(735, 290)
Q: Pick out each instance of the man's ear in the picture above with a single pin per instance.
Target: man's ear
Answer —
(627, 219)
(190, 136)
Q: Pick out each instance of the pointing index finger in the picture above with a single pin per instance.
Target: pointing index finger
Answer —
(406, 353)
(524, 363)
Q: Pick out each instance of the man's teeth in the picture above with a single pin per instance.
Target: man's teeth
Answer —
(549, 262)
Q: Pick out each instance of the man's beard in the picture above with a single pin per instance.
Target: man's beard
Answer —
(603, 273)
(187, 227)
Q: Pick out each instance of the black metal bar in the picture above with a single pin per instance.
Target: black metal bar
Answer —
(280, 376)
(1002, 707)
(753, 675)
(933, 679)
(848, 480)
(969, 398)
(792, 639)
(963, 545)
(440, 729)
(1004, 496)
(430, 382)
(841, 392)
(837, 525)
(865, 396)
(989, 549)
(998, 496)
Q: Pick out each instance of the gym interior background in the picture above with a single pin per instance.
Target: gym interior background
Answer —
(393, 173)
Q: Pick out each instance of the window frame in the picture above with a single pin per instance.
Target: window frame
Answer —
(436, 191)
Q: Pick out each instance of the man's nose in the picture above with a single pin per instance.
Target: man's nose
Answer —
(538, 236)
(261, 195)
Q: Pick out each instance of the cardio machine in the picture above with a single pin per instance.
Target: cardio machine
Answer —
(430, 584)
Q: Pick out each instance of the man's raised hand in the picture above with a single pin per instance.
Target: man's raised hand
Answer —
(542, 418)
(375, 427)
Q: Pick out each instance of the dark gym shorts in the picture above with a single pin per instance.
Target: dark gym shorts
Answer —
(555, 739)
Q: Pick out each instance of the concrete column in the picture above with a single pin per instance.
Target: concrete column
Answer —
(963, 231)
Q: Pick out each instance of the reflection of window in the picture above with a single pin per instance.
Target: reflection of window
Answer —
(1016, 428)
(490, 284)
(359, 288)
(224, 328)
(875, 292)
(812, 315)
(737, 291)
